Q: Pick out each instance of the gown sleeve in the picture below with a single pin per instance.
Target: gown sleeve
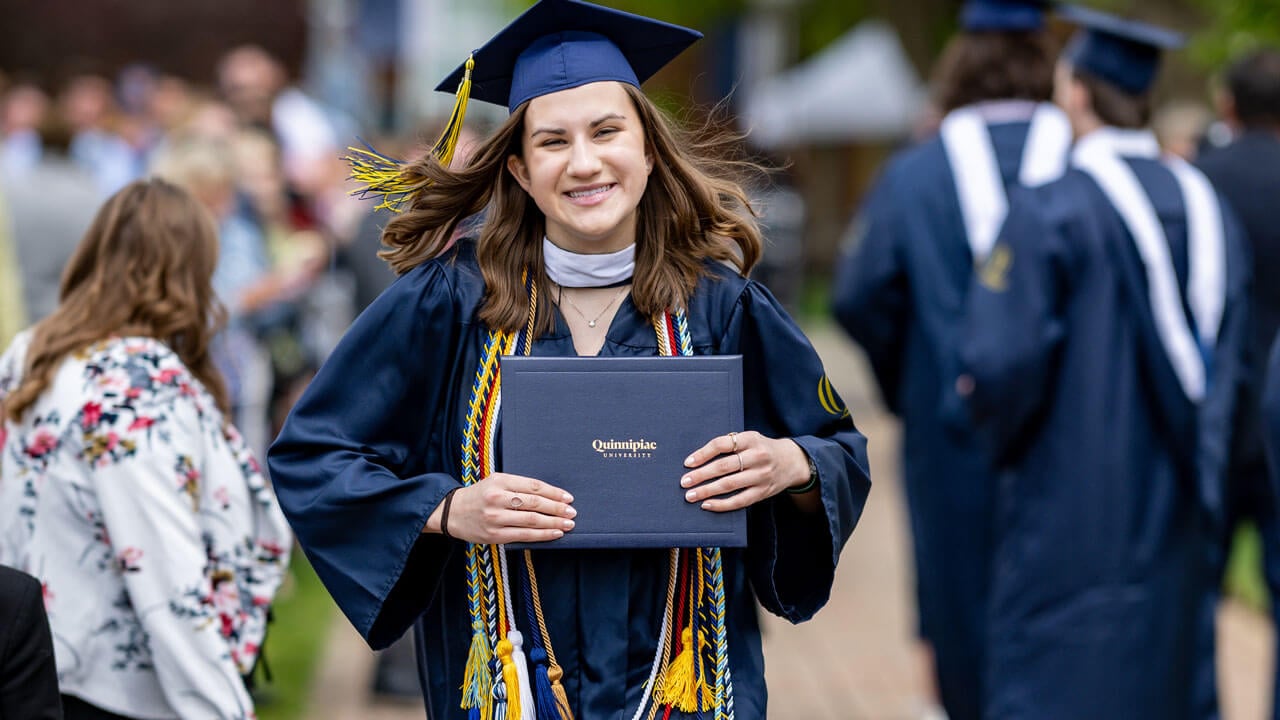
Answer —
(871, 298)
(353, 467)
(792, 555)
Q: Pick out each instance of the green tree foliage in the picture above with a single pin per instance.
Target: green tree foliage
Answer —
(1232, 28)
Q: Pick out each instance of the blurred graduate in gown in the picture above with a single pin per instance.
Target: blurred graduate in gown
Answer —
(605, 234)
(1103, 352)
(900, 294)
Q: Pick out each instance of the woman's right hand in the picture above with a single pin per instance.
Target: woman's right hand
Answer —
(505, 508)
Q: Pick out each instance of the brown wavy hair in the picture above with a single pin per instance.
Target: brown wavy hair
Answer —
(694, 209)
(144, 268)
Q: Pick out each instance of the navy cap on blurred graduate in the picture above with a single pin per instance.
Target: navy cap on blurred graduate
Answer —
(1125, 53)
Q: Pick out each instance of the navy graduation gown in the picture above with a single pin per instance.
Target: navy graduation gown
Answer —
(1111, 478)
(372, 448)
(1270, 430)
(900, 294)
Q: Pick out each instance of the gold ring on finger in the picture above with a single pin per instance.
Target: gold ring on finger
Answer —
(734, 437)
(740, 465)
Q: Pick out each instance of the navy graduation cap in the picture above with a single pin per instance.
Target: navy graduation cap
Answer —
(1003, 15)
(555, 45)
(561, 44)
(1122, 52)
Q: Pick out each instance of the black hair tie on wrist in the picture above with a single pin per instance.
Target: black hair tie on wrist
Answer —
(444, 513)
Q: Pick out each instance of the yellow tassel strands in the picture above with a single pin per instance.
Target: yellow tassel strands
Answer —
(387, 178)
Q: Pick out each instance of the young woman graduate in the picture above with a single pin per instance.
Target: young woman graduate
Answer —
(933, 213)
(605, 234)
(1104, 347)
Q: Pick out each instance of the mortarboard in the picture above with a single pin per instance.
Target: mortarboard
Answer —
(1002, 15)
(1122, 52)
(561, 44)
(555, 45)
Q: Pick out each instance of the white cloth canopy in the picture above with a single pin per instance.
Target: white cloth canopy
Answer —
(860, 88)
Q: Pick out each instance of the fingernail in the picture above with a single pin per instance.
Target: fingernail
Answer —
(691, 495)
(689, 461)
(572, 512)
(686, 481)
(557, 533)
(706, 505)
(568, 524)
(566, 497)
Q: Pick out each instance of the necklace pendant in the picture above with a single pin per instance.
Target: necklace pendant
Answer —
(591, 323)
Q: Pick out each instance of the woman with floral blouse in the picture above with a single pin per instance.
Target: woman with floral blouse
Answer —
(124, 489)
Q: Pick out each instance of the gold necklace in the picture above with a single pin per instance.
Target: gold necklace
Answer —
(591, 322)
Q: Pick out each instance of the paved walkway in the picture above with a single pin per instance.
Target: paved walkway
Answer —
(855, 660)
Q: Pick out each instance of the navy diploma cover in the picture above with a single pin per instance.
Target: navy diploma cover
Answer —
(615, 432)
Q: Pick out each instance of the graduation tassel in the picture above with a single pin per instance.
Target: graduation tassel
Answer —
(380, 175)
(448, 142)
(477, 663)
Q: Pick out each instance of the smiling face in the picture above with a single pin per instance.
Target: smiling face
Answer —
(586, 164)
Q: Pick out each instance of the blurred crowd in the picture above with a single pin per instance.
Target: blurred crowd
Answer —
(259, 153)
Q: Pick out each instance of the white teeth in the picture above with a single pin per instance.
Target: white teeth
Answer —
(589, 193)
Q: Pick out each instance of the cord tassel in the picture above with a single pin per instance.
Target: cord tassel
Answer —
(683, 686)
(477, 662)
(526, 708)
(499, 689)
(554, 673)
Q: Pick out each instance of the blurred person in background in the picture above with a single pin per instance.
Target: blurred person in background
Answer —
(257, 88)
(23, 110)
(50, 205)
(1180, 127)
(1102, 357)
(127, 491)
(259, 297)
(297, 339)
(13, 308)
(87, 105)
(900, 292)
(1247, 174)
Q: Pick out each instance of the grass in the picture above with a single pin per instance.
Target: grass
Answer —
(1244, 579)
(295, 642)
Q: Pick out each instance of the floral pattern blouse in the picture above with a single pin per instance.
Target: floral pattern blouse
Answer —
(157, 539)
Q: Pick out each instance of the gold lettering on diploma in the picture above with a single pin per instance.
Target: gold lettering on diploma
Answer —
(624, 449)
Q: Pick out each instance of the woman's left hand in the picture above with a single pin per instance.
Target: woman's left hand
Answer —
(755, 466)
